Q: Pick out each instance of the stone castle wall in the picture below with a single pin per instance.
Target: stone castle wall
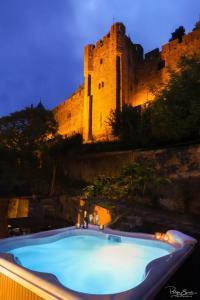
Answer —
(69, 114)
(177, 162)
(156, 65)
(115, 73)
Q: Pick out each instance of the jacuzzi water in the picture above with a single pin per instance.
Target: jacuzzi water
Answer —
(91, 264)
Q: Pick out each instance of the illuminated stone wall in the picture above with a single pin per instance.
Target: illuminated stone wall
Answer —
(117, 72)
(69, 114)
(155, 67)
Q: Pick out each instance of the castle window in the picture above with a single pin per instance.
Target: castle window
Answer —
(99, 86)
(102, 84)
(101, 61)
(69, 115)
(89, 85)
(161, 64)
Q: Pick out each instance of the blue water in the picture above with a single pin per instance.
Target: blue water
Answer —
(91, 264)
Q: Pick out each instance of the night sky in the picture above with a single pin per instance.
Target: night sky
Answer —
(41, 41)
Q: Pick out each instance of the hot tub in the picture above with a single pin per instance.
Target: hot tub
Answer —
(89, 264)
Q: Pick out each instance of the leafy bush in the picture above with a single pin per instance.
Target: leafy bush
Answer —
(139, 179)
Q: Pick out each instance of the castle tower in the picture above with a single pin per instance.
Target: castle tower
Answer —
(108, 77)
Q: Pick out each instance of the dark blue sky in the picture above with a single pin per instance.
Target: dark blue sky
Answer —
(41, 41)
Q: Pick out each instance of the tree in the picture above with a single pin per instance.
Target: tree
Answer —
(146, 138)
(27, 130)
(142, 180)
(23, 138)
(176, 110)
(119, 193)
(62, 149)
(125, 124)
(178, 34)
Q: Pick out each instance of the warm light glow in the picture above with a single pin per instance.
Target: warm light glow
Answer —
(79, 218)
(166, 237)
(78, 225)
(104, 215)
(162, 236)
(101, 226)
(82, 202)
(158, 235)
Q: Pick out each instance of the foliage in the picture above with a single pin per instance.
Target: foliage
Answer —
(139, 179)
(23, 162)
(64, 146)
(32, 153)
(178, 34)
(125, 124)
(105, 187)
(27, 129)
(176, 111)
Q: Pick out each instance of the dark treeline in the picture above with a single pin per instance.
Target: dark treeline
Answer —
(32, 153)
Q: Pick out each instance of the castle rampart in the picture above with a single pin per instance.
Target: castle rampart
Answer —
(69, 113)
(116, 72)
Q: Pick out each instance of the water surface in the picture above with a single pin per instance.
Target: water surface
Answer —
(91, 264)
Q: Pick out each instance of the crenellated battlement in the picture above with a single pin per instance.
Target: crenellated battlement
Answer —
(116, 29)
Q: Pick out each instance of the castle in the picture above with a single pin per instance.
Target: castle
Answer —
(117, 72)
